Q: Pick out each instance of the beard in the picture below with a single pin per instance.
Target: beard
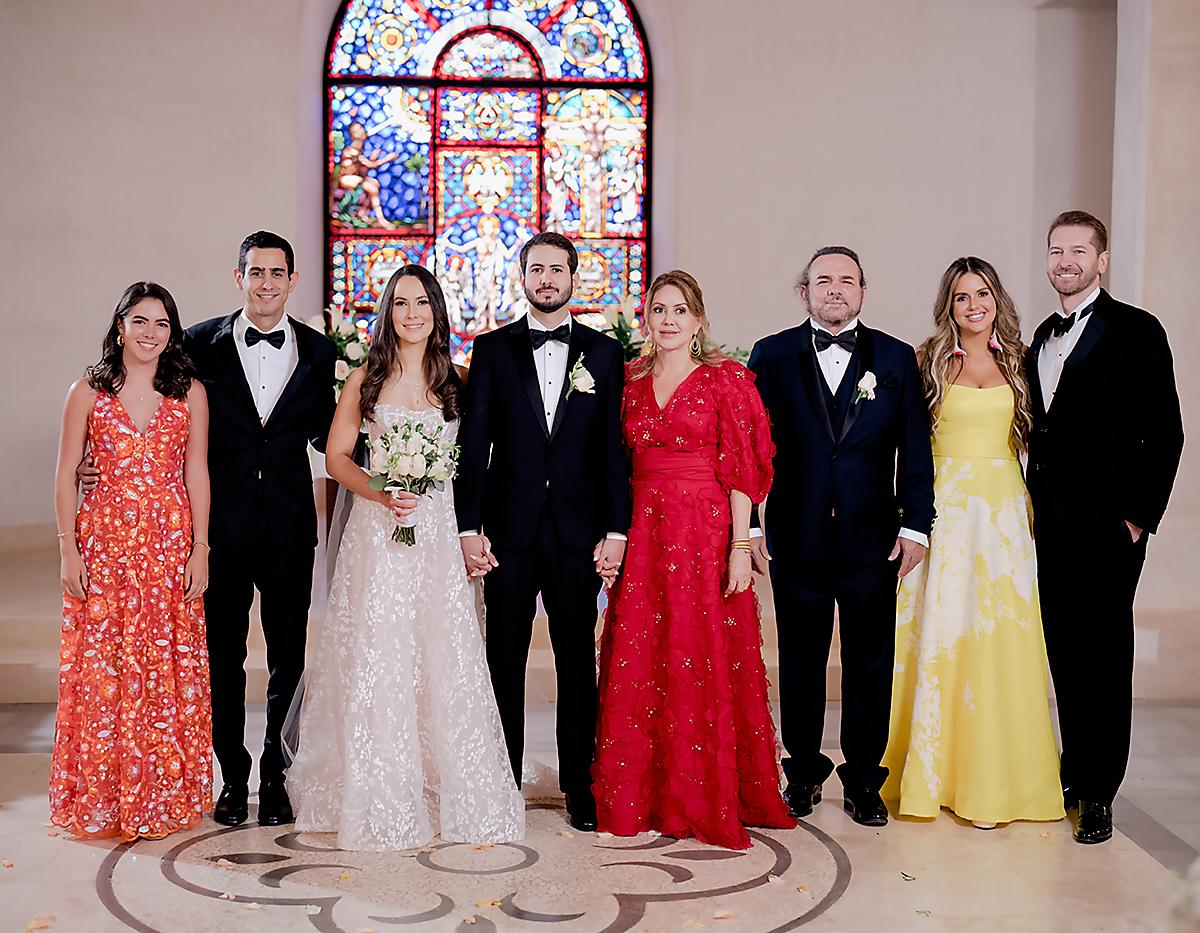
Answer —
(833, 314)
(1084, 280)
(548, 304)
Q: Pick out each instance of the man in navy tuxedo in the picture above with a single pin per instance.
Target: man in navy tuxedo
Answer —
(849, 513)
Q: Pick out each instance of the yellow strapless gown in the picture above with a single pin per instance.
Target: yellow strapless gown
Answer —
(970, 725)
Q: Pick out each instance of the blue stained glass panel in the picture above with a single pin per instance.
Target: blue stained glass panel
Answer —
(609, 272)
(361, 267)
(468, 115)
(379, 158)
(596, 38)
(385, 37)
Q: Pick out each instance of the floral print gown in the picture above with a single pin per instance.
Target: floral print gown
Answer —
(685, 743)
(133, 734)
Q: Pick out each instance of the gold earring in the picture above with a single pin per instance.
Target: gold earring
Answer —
(120, 339)
(696, 349)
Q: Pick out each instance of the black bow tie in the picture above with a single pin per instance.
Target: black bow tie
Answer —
(823, 340)
(1060, 325)
(254, 335)
(562, 334)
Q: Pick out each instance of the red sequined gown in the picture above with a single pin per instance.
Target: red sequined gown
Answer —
(685, 743)
(133, 735)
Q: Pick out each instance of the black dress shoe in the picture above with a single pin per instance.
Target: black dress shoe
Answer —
(581, 812)
(801, 798)
(274, 808)
(231, 807)
(1093, 823)
(1070, 801)
(865, 807)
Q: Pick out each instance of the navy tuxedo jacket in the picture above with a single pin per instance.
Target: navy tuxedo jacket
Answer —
(259, 473)
(513, 467)
(860, 483)
(1108, 449)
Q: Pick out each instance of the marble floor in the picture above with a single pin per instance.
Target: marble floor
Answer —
(829, 874)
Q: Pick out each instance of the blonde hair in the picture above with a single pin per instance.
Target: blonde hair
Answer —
(710, 353)
(937, 354)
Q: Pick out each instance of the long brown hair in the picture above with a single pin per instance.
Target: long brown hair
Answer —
(173, 372)
(710, 354)
(938, 357)
(384, 358)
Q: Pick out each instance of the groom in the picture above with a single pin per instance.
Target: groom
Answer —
(1106, 442)
(849, 513)
(542, 497)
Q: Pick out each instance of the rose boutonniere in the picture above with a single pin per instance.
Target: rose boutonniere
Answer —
(580, 380)
(866, 387)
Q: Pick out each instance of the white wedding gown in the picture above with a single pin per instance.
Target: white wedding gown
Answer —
(399, 737)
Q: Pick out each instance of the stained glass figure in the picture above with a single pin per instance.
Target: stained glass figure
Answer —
(459, 128)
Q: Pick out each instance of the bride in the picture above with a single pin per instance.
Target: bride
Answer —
(399, 737)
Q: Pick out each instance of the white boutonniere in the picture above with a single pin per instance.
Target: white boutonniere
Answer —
(866, 387)
(580, 380)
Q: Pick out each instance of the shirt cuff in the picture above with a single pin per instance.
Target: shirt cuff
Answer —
(616, 536)
(468, 534)
(756, 532)
(921, 539)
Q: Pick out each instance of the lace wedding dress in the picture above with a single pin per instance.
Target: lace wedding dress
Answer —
(399, 737)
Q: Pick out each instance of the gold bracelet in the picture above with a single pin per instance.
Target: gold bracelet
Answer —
(63, 534)
(196, 544)
(738, 546)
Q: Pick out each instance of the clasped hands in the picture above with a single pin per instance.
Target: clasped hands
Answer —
(479, 559)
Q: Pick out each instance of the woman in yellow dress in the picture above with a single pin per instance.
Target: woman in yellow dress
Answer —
(970, 726)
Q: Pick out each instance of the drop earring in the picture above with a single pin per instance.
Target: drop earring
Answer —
(993, 342)
(120, 339)
(696, 349)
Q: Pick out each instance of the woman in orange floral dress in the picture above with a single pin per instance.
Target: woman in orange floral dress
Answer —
(132, 739)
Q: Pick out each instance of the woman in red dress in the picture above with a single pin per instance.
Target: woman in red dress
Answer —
(686, 744)
(133, 734)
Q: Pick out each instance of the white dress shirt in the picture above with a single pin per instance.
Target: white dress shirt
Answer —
(833, 362)
(1053, 355)
(267, 369)
(550, 360)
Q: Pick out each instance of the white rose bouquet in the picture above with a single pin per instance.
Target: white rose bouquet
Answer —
(412, 457)
(351, 341)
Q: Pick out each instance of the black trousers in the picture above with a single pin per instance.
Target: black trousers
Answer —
(283, 576)
(569, 585)
(1087, 577)
(805, 595)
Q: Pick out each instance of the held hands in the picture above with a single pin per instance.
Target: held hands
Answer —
(87, 474)
(607, 556)
(195, 573)
(739, 570)
(477, 555)
(910, 553)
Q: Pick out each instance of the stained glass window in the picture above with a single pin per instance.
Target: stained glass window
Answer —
(459, 128)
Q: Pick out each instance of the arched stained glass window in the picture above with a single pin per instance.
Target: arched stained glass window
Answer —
(459, 128)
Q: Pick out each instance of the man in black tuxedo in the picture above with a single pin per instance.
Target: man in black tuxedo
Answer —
(1106, 442)
(543, 502)
(849, 513)
(270, 394)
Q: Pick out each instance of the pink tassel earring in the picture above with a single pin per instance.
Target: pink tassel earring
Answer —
(993, 343)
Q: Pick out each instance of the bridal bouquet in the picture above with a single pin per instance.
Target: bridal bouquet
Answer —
(412, 457)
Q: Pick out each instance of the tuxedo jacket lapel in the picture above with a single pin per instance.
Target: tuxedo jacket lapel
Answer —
(231, 364)
(1087, 341)
(863, 362)
(810, 373)
(1032, 374)
(522, 351)
(574, 352)
(303, 365)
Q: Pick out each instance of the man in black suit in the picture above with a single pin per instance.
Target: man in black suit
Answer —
(849, 513)
(1106, 442)
(543, 502)
(270, 394)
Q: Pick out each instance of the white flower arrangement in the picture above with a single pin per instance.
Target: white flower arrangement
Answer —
(411, 457)
(351, 340)
(580, 380)
(866, 387)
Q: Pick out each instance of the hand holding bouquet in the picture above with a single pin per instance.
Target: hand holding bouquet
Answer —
(412, 457)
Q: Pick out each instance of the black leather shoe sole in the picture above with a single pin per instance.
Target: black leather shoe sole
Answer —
(1093, 838)
(230, 817)
(275, 819)
(864, 819)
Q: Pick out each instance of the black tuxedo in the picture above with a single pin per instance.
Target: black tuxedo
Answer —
(544, 497)
(263, 528)
(849, 473)
(1105, 453)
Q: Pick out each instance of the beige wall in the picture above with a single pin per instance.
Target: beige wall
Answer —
(146, 138)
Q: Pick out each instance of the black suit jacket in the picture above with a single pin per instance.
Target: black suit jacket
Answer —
(512, 467)
(1109, 447)
(875, 474)
(260, 474)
